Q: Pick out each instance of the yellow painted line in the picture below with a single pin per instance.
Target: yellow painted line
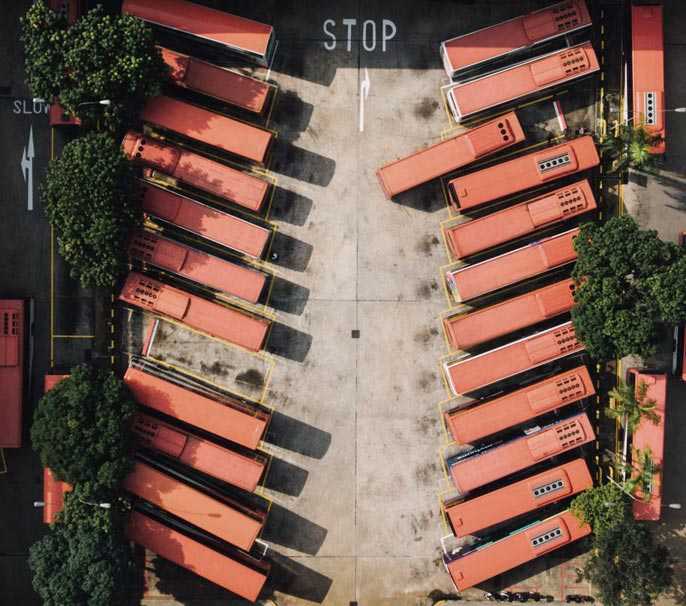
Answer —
(73, 336)
(272, 105)
(3, 463)
(52, 267)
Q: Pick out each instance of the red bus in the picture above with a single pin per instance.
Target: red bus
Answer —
(198, 453)
(186, 167)
(485, 418)
(447, 156)
(472, 237)
(651, 437)
(204, 221)
(228, 418)
(474, 515)
(532, 260)
(223, 518)
(471, 472)
(53, 496)
(530, 77)
(648, 70)
(231, 87)
(240, 574)
(243, 140)
(526, 544)
(466, 331)
(12, 336)
(237, 327)
(463, 54)
(474, 372)
(238, 280)
(238, 35)
(524, 172)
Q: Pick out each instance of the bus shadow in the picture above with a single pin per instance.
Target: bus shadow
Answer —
(291, 115)
(427, 198)
(285, 477)
(289, 206)
(288, 297)
(295, 435)
(302, 164)
(288, 529)
(288, 342)
(292, 578)
(289, 252)
(294, 60)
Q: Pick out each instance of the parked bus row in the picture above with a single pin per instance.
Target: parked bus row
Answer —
(170, 464)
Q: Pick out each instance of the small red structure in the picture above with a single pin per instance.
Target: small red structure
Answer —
(12, 336)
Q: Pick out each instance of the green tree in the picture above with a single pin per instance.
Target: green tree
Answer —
(44, 35)
(622, 292)
(632, 404)
(602, 507)
(81, 430)
(84, 559)
(627, 567)
(89, 194)
(101, 56)
(640, 474)
(668, 288)
(630, 147)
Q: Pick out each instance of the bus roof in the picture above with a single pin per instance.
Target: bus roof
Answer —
(512, 267)
(196, 557)
(648, 70)
(11, 371)
(216, 517)
(447, 156)
(53, 496)
(469, 425)
(649, 435)
(214, 25)
(232, 420)
(243, 189)
(524, 545)
(228, 134)
(231, 87)
(471, 237)
(494, 41)
(474, 372)
(465, 331)
(520, 80)
(219, 321)
(524, 172)
(471, 472)
(474, 515)
(205, 221)
(198, 453)
(196, 265)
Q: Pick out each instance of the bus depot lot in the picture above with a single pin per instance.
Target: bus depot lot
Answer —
(358, 405)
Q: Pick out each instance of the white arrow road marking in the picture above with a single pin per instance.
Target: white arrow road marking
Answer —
(364, 93)
(27, 168)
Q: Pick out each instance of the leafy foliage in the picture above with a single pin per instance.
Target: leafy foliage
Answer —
(632, 405)
(89, 197)
(627, 567)
(625, 278)
(81, 429)
(84, 559)
(602, 507)
(630, 147)
(44, 37)
(641, 471)
(101, 56)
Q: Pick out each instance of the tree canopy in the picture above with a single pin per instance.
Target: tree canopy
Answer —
(627, 282)
(627, 567)
(81, 430)
(630, 147)
(84, 559)
(101, 56)
(89, 194)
